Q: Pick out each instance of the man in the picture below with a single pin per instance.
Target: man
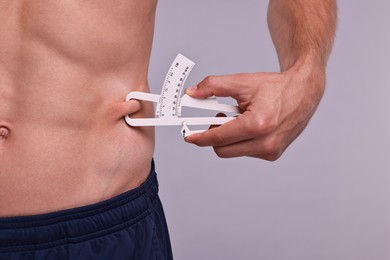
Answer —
(75, 181)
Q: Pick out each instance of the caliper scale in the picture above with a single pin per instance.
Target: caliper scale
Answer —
(171, 101)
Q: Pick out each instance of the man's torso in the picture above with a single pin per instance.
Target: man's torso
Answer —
(65, 69)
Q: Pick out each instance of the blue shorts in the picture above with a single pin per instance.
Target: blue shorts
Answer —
(129, 226)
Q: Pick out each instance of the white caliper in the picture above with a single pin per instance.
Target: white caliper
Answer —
(171, 101)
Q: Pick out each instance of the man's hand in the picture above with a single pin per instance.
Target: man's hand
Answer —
(276, 108)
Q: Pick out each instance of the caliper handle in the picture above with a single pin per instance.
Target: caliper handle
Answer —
(210, 103)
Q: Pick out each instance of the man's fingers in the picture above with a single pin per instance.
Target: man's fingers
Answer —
(258, 148)
(244, 148)
(221, 86)
(231, 132)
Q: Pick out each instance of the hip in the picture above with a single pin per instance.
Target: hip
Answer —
(132, 225)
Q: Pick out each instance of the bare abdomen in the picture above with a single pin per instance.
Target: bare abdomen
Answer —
(62, 75)
(68, 145)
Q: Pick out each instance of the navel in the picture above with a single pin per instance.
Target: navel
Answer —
(4, 133)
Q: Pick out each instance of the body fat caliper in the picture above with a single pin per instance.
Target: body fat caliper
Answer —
(170, 102)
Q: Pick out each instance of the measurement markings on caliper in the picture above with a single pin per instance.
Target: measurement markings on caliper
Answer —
(171, 101)
(173, 85)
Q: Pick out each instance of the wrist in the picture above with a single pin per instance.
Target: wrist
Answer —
(309, 67)
(309, 75)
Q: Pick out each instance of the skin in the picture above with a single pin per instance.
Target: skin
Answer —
(66, 67)
(65, 70)
(276, 106)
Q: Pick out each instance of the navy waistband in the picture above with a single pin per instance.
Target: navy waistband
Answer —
(82, 223)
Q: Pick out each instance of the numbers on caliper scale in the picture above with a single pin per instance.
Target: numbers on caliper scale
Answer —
(173, 85)
(171, 101)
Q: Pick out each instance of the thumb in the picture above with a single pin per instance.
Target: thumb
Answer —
(221, 86)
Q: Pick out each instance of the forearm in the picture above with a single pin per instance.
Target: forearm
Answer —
(302, 31)
(276, 106)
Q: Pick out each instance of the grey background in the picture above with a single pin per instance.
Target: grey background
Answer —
(328, 197)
